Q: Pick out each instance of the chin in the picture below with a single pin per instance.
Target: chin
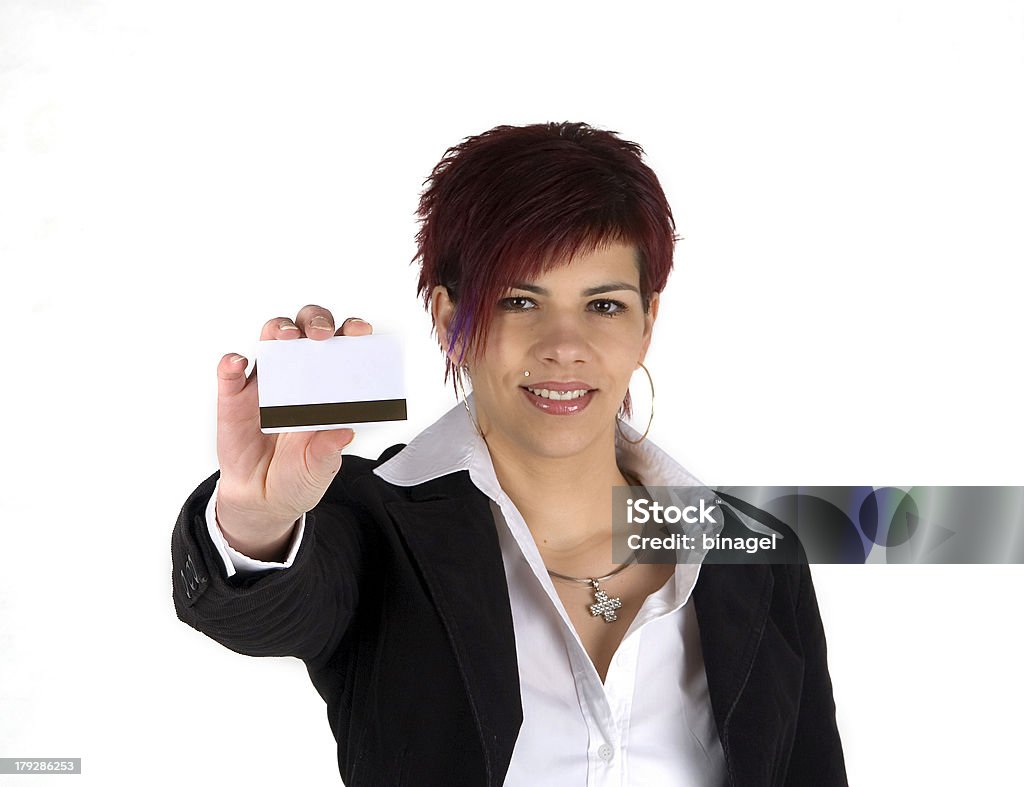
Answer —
(556, 443)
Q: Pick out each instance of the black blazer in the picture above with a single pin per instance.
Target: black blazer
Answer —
(397, 603)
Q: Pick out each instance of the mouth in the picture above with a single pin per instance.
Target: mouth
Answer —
(559, 398)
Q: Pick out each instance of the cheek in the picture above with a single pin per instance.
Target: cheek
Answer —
(506, 333)
(496, 368)
(505, 349)
(622, 347)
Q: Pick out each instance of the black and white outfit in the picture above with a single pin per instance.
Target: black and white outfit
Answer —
(417, 597)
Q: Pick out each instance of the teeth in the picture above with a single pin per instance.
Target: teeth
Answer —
(558, 395)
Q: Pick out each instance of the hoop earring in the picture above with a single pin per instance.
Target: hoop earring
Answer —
(649, 420)
(466, 404)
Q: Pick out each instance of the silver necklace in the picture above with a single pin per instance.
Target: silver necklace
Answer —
(604, 604)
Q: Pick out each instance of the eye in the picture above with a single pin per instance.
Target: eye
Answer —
(609, 308)
(517, 303)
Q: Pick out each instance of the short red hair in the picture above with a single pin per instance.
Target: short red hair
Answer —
(503, 205)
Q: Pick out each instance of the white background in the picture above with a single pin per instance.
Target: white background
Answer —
(845, 310)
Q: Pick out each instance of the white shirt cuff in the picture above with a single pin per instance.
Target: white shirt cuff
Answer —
(234, 561)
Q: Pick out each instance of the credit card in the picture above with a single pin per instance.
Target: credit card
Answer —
(306, 384)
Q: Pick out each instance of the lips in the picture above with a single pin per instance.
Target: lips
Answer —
(573, 402)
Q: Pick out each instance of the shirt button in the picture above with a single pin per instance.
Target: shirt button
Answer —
(605, 752)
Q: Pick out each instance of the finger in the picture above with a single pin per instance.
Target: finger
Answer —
(355, 326)
(237, 408)
(315, 322)
(280, 328)
(231, 374)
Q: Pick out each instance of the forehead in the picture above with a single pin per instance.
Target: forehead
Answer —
(617, 261)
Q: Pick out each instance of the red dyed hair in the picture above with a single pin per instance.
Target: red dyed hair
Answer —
(504, 205)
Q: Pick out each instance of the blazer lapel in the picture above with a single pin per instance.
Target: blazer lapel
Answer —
(754, 668)
(731, 603)
(449, 530)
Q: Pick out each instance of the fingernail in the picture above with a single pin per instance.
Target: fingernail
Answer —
(288, 325)
(320, 322)
(236, 358)
(355, 319)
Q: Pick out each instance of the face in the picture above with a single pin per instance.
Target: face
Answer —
(577, 328)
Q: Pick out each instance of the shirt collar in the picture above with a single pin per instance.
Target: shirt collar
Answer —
(452, 444)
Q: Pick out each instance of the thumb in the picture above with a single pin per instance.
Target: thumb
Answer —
(323, 454)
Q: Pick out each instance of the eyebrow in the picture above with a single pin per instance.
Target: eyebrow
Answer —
(611, 286)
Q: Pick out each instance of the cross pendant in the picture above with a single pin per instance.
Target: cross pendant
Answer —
(603, 604)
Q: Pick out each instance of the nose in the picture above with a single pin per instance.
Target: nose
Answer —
(562, 341)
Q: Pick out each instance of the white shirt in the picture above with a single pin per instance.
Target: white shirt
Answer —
(650, 722)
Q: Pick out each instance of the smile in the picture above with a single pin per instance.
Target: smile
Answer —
(555, 402)
(563, 396)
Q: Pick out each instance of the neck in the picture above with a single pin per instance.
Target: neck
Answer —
(566, 501)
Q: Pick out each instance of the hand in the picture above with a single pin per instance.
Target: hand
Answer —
(268, 481)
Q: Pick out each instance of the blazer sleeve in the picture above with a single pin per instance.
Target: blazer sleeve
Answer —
(301, 611)
(817, 755)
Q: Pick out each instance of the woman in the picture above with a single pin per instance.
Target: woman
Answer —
(446, 597)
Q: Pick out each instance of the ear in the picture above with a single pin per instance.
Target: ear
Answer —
(441, 311)
(649, 318)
